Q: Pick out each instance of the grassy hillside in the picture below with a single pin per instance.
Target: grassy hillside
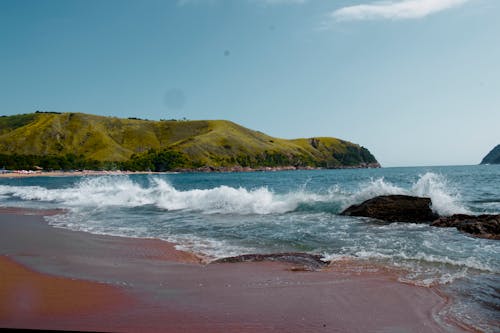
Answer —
(214, 143)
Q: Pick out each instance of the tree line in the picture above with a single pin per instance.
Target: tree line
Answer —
(168, 160)
(153, 160)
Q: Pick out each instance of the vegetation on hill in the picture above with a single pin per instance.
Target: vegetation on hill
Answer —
(493, 156)
(51, 140)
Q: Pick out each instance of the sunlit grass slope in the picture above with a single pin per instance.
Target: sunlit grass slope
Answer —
(203, 142)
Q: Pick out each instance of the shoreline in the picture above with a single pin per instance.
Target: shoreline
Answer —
(72, 173)
(206, 169)
(169, 290)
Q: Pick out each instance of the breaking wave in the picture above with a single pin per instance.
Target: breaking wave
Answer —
(123, 191)
(445, 198)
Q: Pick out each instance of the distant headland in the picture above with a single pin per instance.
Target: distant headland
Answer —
(493, 156)
(78, 141)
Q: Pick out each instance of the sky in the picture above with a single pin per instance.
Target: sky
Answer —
(417, 82)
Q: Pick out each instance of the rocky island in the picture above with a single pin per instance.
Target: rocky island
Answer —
(493, 156)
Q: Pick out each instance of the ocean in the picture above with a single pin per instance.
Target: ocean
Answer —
(226, 214)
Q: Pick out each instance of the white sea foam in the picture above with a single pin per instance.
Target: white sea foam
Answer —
(418, 274)
(374, 188)
(469, 262)
(102, 191)
(423, 269)
(224, 200)
(122, 191)
(214, 249)
(445, 198)
(428, 279)
(406, 259)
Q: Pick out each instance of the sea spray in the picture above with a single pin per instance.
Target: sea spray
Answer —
(95, 191)
(223, 200)
(445, 198)
(374, 188)
(122, 191)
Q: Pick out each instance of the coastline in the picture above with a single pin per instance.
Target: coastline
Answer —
(153, 287)
(24, 173)
(20, 174)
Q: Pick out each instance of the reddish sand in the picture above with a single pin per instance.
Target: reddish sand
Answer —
(149, 286)
(31, 299)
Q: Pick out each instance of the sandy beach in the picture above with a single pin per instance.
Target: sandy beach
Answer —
(54, 278)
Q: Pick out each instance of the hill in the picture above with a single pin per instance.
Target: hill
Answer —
(493, 156)
(91, 141)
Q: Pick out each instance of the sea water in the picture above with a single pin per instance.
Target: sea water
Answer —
(226, 214)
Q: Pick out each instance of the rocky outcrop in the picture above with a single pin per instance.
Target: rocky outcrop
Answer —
(305, 260)
(484, 226)
(404, 208)
(395, 208)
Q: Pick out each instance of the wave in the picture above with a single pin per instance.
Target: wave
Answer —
(123, 191)
(99, 191)
(420, 268)
(470, 263)
(446, 200)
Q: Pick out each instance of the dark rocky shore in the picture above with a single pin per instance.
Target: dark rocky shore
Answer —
(238, 168)
(484, 226)
(305, 261)
(403, 208)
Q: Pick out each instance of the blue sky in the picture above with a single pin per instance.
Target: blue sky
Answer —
(415, 81)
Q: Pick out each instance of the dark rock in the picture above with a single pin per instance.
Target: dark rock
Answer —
(484, 226)
(306, 260)
(403, 208)
(314, 142)
(394, 208)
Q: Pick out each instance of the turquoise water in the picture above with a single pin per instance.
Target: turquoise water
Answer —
(224, 214)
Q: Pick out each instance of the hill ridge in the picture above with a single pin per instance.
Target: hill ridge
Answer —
(199, 143)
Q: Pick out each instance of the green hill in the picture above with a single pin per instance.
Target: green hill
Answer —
(493, 156)
(69, 139)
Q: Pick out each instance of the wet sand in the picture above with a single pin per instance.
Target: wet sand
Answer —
(29, 299)
(92, 282)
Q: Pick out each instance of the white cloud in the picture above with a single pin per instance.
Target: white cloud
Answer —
(403, 9)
